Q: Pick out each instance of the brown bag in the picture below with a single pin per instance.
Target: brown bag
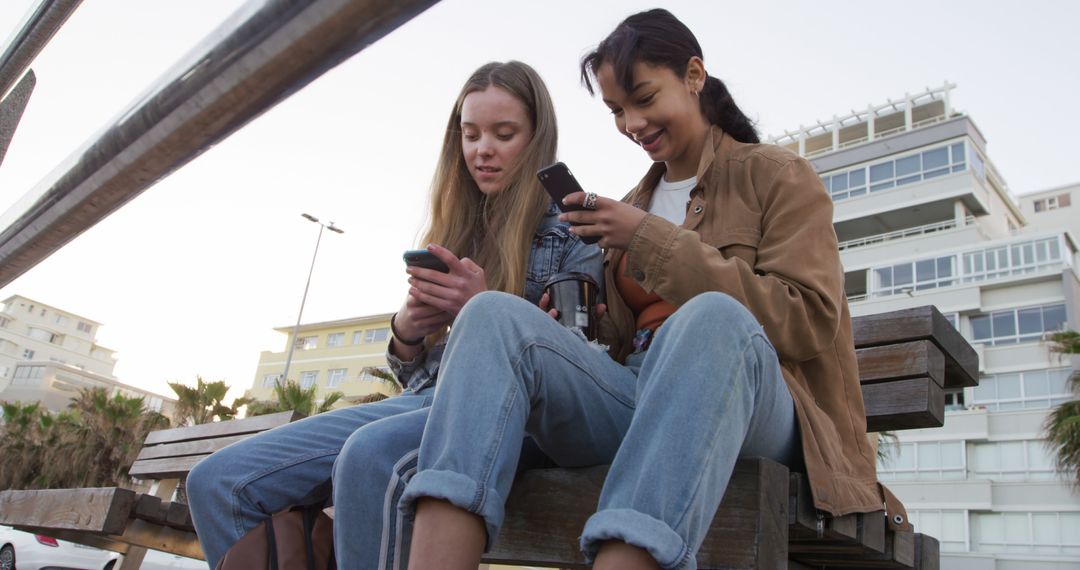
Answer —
(296, 538)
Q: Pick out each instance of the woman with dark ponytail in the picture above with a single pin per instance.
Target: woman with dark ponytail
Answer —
(727, 329)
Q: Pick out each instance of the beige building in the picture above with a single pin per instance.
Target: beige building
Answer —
(331, 355)
(48, 355)
(924, 218)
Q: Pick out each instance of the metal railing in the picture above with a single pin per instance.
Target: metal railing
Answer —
(905, 233)
(261, 56)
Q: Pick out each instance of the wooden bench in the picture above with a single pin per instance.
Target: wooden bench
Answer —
(122, 520)
(907, 359)
(767, 519)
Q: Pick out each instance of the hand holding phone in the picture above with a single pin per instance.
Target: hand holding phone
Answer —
(426, 259)
(560, 183)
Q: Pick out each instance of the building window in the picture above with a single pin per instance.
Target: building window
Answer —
(307, 342)
(84, 327)
(269, 380)
(308, 378)
(28, 354)
(1023, 460)
(1034, 532)
(954, 399)
(357, 337)
(936, 460)
(1023, 390)
(28, 375)
(950, 527)
(1014, 259)
(44, 335)
(1012, 326)
(1053, 203)
(62, 320)
(376, 335)
(335, 340)
(898, 172)
(954, 319)
(914, 276)
(4, 322)
(335, 377)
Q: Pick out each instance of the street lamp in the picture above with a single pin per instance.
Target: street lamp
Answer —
(300, 315)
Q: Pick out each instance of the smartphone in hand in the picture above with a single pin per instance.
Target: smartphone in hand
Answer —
(426, 259)
(560, 183)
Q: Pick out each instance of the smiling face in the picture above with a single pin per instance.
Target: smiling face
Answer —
(495, 129)
(661, 113)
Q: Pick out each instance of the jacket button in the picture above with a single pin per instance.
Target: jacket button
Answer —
(639, 275)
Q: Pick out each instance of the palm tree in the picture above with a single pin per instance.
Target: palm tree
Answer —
(1063, 424)
(290, 396)
(205, 402)
(20, 442)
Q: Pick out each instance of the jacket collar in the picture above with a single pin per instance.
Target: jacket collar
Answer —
(715, 143)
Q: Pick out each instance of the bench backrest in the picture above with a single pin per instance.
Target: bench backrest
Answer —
(171, 453)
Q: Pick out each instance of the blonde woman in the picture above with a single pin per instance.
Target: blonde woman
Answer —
(496, 229)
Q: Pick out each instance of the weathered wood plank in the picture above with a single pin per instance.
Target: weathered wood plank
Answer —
(178, 516)
(150, 508)
(101, 510)
(812, 532)
(163, 538)
(899, 554)
(547, 509)
(220, 429)
(927, 552)
(196, 447)
(904, 404)
(913, 359)
(169, 467)
(921, 323)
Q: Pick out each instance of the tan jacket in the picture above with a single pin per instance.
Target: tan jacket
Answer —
(759, 228)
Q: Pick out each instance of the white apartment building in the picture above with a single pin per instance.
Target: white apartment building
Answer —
(47, 355)
(924, 218)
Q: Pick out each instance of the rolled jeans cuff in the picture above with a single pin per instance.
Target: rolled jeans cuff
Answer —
(640, 530)
(458, 490)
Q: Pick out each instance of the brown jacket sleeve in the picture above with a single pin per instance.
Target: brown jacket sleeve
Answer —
(796, 286)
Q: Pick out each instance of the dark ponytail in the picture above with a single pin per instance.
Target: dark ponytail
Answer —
(721, 110)
(657, 37)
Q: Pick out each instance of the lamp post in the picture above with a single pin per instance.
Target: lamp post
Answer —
(300, 315)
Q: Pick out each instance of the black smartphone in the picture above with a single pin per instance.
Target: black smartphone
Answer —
(426, 259)
(560, 183)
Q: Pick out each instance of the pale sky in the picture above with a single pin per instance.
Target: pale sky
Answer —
(192, 276)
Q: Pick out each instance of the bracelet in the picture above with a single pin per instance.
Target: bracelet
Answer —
(401, 339)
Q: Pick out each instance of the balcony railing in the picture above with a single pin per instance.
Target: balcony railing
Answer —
(905, 233)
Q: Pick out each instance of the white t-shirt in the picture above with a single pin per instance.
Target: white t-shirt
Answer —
(670, 199)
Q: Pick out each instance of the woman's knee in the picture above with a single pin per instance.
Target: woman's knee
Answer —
(718, 313)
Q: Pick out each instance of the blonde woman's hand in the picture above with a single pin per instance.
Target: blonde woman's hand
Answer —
(447, 292)
(416, 320)
(614, 221)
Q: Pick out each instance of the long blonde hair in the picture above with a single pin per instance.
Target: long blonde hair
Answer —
(495, 231)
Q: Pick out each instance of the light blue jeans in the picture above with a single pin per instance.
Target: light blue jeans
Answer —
(370, 450)
(672, 421)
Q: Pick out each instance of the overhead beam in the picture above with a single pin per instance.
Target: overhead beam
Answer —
(37, 29)
(233, 76)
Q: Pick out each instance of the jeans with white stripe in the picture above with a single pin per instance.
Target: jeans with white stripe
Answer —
(672, 421)
(369, 450)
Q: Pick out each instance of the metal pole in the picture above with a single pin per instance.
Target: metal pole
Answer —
(268, 51)
(39, 26)
(296, 329)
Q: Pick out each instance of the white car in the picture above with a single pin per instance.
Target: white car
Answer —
(24, 551)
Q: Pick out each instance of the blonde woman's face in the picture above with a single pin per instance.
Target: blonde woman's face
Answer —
(495, 129)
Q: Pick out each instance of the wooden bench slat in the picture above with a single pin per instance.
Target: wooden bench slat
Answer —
(899, 554)
(180, 449)
(168, 468)
(904, 404)
(855, 533)
(921, 323)
(547, 509)
(84, 538)
(220, 429)
(100, 510)
(899, 361)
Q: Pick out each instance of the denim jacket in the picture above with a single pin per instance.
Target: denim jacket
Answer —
(554, 250)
